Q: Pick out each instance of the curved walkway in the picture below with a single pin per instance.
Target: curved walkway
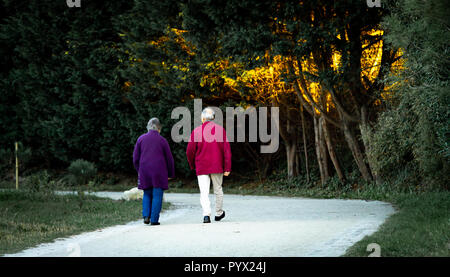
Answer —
(254, 226)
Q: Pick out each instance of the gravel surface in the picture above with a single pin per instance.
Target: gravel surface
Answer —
(254, 226)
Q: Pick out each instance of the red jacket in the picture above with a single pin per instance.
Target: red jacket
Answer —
(209, 151)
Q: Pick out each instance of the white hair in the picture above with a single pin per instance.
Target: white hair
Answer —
(154, 124)
(208, 114)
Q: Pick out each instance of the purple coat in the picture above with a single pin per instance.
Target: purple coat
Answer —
(153, 161)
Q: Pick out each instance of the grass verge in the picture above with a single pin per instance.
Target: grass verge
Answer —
(28, 219)
(420, 228)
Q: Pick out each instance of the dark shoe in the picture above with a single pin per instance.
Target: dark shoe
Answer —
(147, 220)
(206, 219)
(218, 218)
(155, 223)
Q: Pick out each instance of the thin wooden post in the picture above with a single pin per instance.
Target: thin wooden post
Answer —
(17, 166)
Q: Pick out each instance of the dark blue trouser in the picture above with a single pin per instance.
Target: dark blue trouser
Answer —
(152, 203)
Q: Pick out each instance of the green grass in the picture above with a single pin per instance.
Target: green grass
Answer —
(64, 187)
(101, 187)
(28, 219)
(420, 228)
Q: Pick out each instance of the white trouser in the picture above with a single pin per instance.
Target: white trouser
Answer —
(204, 182)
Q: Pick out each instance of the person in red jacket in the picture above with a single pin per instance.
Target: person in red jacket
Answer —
(209, 153)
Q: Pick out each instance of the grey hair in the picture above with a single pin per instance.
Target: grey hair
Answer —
(154, 124)
(208, 114)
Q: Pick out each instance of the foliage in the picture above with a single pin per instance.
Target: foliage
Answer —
(82, 171)
(410, 142)
(82, 83)
(57, 79)
(332, 55)
(40, 182)
(155, 72)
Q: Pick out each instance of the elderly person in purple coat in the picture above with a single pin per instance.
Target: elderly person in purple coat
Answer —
(154, 163)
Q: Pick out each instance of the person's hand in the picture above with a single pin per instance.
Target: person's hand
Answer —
(226, 173)
(169, 178)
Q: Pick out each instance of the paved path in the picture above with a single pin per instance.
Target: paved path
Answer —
(253, 226)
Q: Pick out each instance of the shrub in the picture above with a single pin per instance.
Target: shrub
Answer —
(81, 172)
(410, 142)
(40, 182)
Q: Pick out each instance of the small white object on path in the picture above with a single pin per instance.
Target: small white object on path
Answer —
(133, 194)
(254, 226)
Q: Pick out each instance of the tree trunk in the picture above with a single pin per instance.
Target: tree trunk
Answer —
(316, 147)
(364, 128)
(320, 152)
(264, 169)
(356, 151)
(292, 159)
(323, 150)
(305, 150)
(331, 152)
(290, 139)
